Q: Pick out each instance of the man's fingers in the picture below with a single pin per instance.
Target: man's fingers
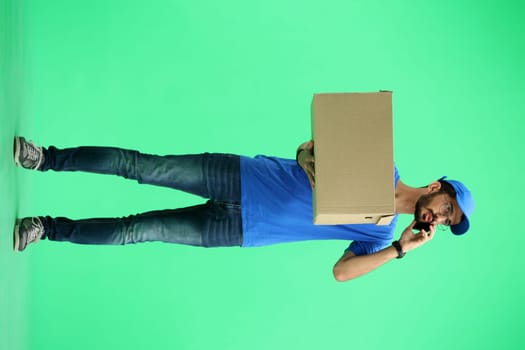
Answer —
(312, 179)
(309, 158)
(432, 230)
(311, 175)
(428, 234)
(310, 168)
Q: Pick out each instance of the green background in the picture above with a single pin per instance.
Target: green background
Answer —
(238, 76)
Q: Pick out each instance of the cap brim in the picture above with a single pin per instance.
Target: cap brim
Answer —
(460, 228)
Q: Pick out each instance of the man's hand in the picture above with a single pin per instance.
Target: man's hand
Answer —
(351, 266)
(410, 240)
(306, 160)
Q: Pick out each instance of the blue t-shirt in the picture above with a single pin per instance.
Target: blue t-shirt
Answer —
(277, 207)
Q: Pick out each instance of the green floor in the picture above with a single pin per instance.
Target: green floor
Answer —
(235, 76)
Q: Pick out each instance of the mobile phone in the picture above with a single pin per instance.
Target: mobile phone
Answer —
(422, 226)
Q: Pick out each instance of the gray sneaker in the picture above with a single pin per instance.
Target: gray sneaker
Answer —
(27, 230)
(27, 155)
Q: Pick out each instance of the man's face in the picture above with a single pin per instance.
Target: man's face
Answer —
(438, 208)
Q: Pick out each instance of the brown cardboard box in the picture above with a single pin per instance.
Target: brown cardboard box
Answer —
(354, 161)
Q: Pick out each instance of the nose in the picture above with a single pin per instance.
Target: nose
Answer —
(440, 218)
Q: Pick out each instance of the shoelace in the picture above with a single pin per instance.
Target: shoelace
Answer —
(34, 153)
(35, 232)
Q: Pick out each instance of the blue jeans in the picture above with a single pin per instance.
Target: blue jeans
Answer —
(214, 176)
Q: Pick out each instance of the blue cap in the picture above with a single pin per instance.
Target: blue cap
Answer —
(465, 202)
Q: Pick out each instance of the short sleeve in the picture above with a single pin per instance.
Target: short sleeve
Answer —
(366, 247)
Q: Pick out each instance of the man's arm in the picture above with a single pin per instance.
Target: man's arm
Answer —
(351, 266)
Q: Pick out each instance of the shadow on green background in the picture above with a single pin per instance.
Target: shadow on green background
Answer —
(14, 320)
(179, 77)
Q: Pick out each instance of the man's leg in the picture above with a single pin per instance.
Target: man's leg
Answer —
(214, 224)
(214, 176)
(208, 175)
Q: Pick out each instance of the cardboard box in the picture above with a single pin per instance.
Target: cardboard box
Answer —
(354, 158)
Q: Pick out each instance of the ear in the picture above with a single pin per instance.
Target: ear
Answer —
(434, 187)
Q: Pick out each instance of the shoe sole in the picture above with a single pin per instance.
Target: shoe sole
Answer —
(17, 152)
(16, 235)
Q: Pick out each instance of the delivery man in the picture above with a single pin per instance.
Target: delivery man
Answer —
(250, 202)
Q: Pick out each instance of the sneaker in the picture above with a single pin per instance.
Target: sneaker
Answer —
(27, 155)
(27, 230)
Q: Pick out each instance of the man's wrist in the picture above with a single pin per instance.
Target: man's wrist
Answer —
(399, 249)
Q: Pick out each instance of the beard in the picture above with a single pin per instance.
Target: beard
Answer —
(422, 202)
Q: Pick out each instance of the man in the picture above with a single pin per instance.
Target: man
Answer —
(252, 202)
